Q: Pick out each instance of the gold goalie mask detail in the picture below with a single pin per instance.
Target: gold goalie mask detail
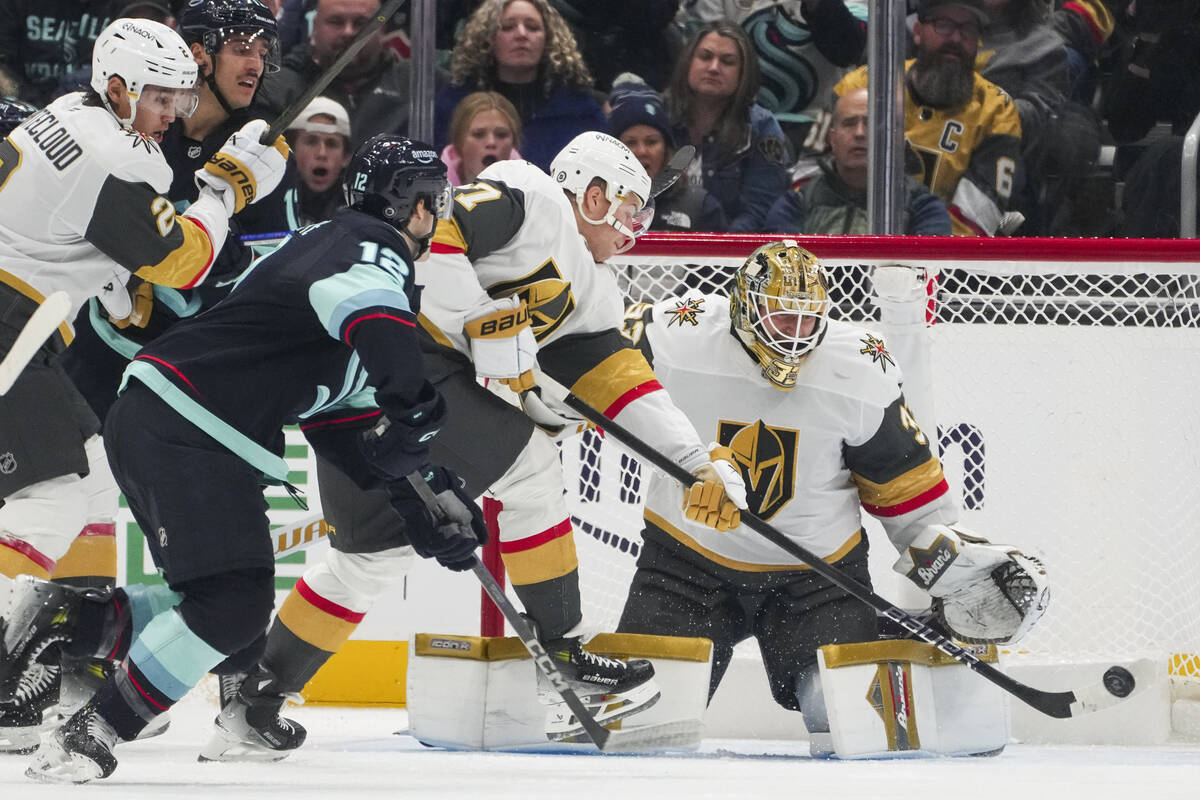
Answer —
(780, 307)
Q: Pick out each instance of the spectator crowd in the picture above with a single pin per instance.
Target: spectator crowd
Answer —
(1021, 117)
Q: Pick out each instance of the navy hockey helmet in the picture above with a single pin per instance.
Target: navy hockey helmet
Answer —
(388, 174)
(210, 22)
(12, 113)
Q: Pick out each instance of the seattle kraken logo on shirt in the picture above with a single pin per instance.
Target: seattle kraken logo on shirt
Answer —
(766, 458)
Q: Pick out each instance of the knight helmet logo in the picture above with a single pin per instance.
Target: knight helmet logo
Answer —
(546, 294)
(766, 458)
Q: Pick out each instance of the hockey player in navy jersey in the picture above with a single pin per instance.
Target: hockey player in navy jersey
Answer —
(82, 210)
(322, 330)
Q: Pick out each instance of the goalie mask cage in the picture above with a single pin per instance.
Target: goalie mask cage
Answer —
(1063, 377)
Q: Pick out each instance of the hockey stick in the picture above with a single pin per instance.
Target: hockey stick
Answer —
(1117, 683)
(38, 328)
(289, 114)
(667, 176)
(649, 737)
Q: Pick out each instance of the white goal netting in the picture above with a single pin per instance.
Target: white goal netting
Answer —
(1063, 382)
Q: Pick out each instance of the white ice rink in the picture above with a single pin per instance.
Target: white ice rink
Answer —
(354, 753)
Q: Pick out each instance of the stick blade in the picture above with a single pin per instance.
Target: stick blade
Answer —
(1118, 685)
(684, 734)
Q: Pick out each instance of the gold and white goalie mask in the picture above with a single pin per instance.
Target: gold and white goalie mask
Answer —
(779, 307)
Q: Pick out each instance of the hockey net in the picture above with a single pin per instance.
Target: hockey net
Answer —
(1062, 376)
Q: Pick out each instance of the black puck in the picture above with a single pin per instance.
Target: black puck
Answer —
(1119, 682)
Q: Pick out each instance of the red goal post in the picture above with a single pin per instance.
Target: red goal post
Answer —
(1060, 376)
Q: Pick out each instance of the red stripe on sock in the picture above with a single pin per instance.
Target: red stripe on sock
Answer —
(538, 539)
(327, 606)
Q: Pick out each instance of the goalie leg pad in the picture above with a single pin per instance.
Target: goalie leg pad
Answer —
(904, 699)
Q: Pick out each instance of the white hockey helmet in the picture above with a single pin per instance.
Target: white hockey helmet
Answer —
(145, 53)
(593, 155)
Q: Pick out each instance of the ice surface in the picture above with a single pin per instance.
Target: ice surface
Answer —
(354, 753)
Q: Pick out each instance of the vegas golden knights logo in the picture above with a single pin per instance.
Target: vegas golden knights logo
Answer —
(547, 296)
(766, 457)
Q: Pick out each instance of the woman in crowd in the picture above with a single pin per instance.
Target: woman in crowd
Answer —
(483, 130)
(743, 155)
(523, 50)
(639, 119)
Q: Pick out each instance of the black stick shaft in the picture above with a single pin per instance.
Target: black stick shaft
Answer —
(289, 114)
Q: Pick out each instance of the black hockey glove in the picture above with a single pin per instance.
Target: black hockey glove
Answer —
(451, 532)
(395, 447)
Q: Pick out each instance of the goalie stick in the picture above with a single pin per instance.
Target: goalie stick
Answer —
(289, 114)
(37, 329)
(1118, 683)
(682, 733)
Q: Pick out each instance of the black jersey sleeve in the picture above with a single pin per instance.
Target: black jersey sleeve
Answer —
(487, 215)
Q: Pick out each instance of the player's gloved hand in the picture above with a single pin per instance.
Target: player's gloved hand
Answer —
(451, 532)
(983, 593)
(141, 297)
(554, 419)
(244, 171)
(715, 498)
(395, 447)
(502, 343)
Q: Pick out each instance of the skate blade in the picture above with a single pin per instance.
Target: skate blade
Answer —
(562, 726)
(54, 765)
(684, 734)
(222, 749)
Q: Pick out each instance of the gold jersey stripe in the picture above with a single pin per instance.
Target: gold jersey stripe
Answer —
(448, 234)
(612, 378)
(13, 282)
(314, 626)
(903, 487)
(434, 331)
(89, 557)
(186, 263)
(744, 566)
(547, 561)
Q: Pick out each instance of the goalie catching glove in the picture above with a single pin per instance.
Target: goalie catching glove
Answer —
(502, 343)
(983, 593)
(449, 533)
(715, 499)
(244, 171)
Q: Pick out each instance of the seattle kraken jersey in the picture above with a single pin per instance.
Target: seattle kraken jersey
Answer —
(514, 234)
(840, 441)
(970, 157)
(326, 322)
(82, 205)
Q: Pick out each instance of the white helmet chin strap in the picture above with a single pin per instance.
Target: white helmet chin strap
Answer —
(125, 123)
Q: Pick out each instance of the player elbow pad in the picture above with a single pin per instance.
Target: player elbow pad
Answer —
(398, 445)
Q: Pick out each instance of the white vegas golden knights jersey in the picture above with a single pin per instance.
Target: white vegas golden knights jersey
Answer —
(514, 234)
(841, 441)
(81, 206)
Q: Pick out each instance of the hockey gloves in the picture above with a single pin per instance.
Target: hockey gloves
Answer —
(983, 593)
(502, 343)
(719, 492)
(449, 533)
(395, 447)
(244, 171)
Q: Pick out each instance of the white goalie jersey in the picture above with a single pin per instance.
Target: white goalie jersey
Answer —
(812, 458)
(82, 207)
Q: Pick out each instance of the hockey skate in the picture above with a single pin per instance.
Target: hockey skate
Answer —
(249, 727)
(37, 690)
(77, 752)
(610, 689)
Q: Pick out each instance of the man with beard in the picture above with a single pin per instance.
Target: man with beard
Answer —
(373, 87)
(963, 131)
